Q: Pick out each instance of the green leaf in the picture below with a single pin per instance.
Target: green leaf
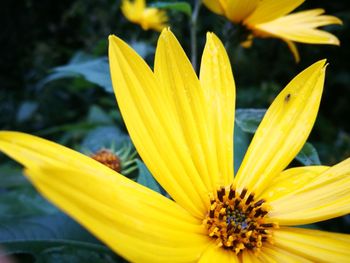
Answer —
(98, 116)
(145, 177)
(12, 177)
(94, 70)
(249, 119)
(24, 202)
(183, 7)
(104, 137)
(44, 236)
(241, 142)
(26, 110)
(308, 155)
(72, 254)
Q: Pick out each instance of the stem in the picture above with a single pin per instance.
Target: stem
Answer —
(193, 27)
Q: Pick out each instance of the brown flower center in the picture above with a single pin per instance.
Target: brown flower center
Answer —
(108, 158)
(237, 221)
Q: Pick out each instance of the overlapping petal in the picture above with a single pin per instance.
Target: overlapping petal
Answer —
(154, 126)
(130, 218)
(274, 254)
(324, 195)
(291, 180)
(184, 96)
(317, 246)
(283, 130)
(302, 27)
(219, 91)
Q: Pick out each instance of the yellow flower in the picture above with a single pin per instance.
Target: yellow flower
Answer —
(182, 127)
(271, 18)
(147, 17)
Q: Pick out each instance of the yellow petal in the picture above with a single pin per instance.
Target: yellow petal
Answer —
(291, 180)
(317, 246)
(130, 218)
(250, 257)
(132, 10)
(153, 18)
(217, 254)
(182, 93)
(283, 130)
(268, 10)
(214, 6)
(324, 195)
(274, 254)
(153, 124)
(137, 223)
(219, 90)
(237, 10)
(302, 27)
(293, 48)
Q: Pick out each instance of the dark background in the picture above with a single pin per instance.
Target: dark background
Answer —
(40, 35)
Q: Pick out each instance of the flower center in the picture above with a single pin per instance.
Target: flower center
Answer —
(237, 220)
(108, 158)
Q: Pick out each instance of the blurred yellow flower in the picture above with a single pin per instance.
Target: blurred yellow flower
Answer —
(271, 18)
(147, 17)
(182, 127)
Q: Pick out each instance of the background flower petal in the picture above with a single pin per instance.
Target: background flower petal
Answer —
(301, 27)
(268, 10)
(219, 91)
(283, 130)
(214, 6)
(153, 124)
(238, 10)
(318, 246)
(324, 196)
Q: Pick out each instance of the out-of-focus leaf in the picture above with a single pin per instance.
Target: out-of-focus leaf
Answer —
(11, 176)
(145, 178)
(71, 254)
(38, 234)
(142, 48)
(308, 155)
(94, 70)
(104, 137)
(241, 142)
(97, 115)
(183, 7)
(26, 110)
(24, 202)
(249, 119)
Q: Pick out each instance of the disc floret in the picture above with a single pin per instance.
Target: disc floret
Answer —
(237, 221)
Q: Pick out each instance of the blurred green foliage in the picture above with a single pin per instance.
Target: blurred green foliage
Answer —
(54, 82)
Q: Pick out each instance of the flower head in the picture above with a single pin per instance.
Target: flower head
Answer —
(271, 18)
(147, 17)
(182, 127)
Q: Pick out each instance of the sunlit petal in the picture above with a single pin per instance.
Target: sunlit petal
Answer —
(317, 246)
(219, 90)
(284, 129)
(324, 195)
(153, 125)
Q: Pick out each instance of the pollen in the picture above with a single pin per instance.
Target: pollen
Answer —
(108, 158)
(237, 221)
